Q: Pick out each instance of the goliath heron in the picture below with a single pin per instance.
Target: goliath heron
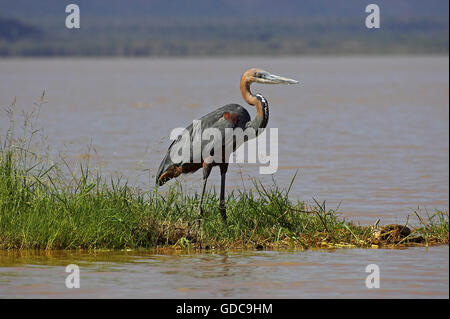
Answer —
(229, 116)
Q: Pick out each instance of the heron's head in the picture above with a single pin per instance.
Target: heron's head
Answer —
(264, 77)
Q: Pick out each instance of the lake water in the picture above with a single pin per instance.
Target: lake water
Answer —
(409, 273)
(367, 133)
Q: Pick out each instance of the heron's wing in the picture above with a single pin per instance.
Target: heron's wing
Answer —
(228, 116)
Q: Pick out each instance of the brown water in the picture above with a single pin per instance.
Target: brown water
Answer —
(409, 273)
(370, 133)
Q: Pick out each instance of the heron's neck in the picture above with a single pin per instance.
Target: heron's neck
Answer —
(262, 107)
(247, 95)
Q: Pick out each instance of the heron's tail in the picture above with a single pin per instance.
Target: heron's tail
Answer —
(165, 165)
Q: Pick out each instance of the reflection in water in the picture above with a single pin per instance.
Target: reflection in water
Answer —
(413, 273)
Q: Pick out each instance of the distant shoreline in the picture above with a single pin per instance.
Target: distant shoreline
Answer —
(186, 37)
(228, 57)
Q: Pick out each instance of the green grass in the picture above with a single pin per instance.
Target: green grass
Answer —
(46, 205)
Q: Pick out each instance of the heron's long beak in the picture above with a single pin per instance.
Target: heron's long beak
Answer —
(275, 79)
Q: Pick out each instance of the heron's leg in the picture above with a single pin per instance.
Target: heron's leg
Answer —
(206, 171)
(201, 197)
(223, 172)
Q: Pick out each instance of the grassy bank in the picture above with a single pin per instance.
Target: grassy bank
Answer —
(45, 205)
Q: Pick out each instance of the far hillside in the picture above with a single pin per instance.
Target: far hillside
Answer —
(222, 27)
